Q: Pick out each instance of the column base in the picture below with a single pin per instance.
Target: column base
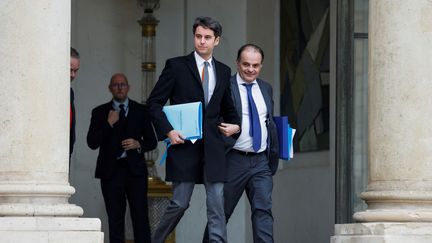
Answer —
(394, 215)
(383, 233)
(40, 210)
(50, 229)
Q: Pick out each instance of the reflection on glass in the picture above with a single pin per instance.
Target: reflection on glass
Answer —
(360, 124)
(147, 84)
(305, 72)
(148, 49)
(361, 15)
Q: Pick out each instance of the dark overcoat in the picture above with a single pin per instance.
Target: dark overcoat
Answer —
(180, 83)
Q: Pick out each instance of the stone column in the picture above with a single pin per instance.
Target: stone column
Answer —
(400, 112)
(34, 126)
(399, 194)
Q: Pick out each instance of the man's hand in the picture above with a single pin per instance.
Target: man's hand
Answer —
(175, 137)
(228, 129)
(130, 144)
(113, 117)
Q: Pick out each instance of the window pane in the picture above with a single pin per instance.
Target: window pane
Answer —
(305, 60)
(360, 123)
(361, 14)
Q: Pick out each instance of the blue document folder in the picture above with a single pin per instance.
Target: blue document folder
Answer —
(285, 136)
(186, 118)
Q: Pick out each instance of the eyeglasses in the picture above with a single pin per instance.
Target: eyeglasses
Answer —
(119, 86)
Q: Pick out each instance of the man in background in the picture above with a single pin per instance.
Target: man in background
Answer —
(74, 67)
(122, 131)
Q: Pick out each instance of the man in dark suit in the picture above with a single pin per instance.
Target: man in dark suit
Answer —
(252, 158)
(74, 67)
(122, 131)
(192, 78)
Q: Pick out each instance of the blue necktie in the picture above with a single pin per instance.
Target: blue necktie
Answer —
(254, 122)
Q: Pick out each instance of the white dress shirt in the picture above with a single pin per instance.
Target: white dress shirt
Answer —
(244, 142)
(116, 106)
(212, 76)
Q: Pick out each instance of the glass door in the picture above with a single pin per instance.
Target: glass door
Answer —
(351, 110)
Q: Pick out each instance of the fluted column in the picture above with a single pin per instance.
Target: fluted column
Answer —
(399, 194)
(34, 102)
(34, 126)
(400, 115)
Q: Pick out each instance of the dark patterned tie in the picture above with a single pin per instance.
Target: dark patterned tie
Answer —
(122, 114)
(255, 126)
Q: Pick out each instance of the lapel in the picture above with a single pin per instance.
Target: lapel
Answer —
(191, 63)
(237, 100)
(266, 95)
(130, 111)
(235, 94)
(217, 75)
(267, 99)
(109, 106)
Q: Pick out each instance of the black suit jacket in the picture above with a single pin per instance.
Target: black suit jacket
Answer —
(180, 83)
(272, 139)
(101, 135)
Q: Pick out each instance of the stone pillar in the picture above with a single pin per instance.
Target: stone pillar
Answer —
(400, 115)
(34, 126)
(400, 126)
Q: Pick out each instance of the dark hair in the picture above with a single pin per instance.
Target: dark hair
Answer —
(74, 53)
(208, 23)
(248, 47)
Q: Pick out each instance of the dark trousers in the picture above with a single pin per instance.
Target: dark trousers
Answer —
(250, 174)
(116, 190)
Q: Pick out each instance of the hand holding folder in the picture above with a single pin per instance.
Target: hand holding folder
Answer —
(186, 119)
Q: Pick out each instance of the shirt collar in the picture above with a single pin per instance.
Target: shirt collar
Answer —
(240, 81)
(116, 104)
(200, 61)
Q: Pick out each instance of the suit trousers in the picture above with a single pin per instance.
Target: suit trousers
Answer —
(182, 192)
(122, 186)
(250, 173)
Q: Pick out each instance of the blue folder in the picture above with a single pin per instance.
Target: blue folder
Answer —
(285, 136)
(186, 118)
